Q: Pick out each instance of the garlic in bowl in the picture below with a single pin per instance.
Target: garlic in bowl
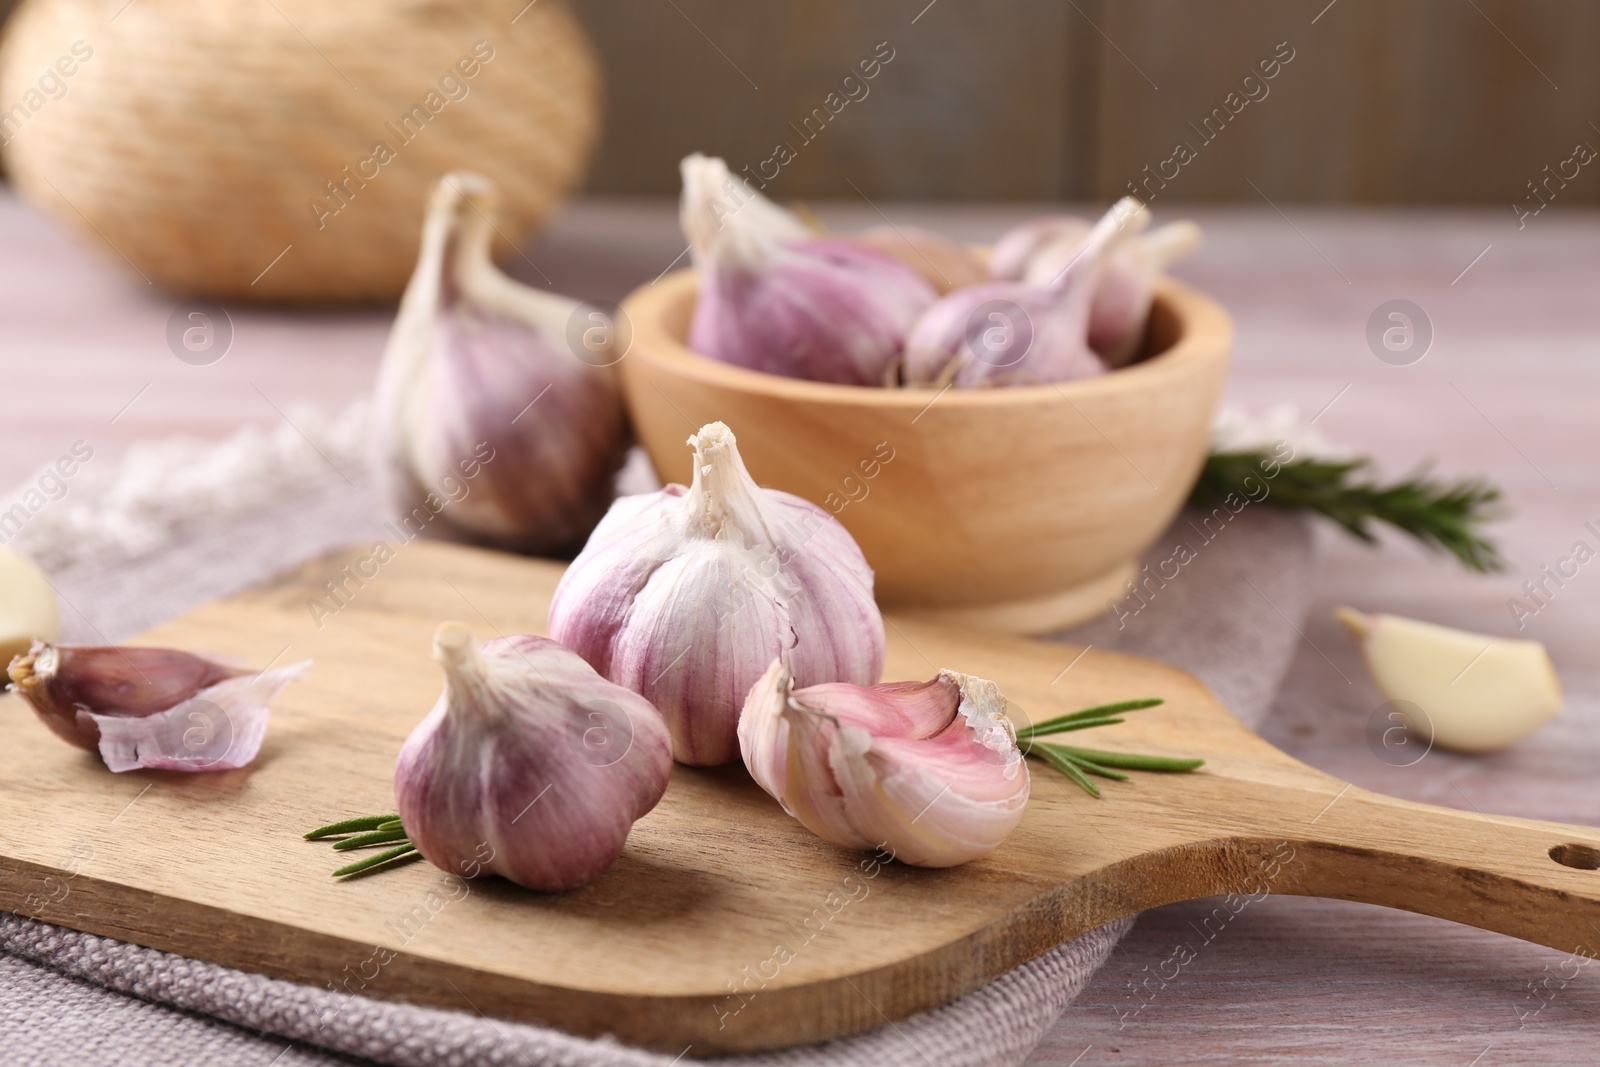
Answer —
(1021, 509)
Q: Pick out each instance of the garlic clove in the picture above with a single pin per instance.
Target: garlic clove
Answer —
(686, 595)
(881, 769)
(1013, 254)
(944, 264)
(1476, 693)
(150, 707)
(776, 300)
(489, 426)
(27, 606)
(1021, 333)
(530, 765)
(220, 728)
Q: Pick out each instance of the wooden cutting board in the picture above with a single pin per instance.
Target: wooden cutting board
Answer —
(726, 925)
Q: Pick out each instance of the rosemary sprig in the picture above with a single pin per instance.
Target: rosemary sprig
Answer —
(1078, 763)
(368, 831)
(1444, 516)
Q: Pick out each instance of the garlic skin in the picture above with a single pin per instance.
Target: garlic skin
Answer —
(927, 771)
(1036, 252)
(775, 299)
(1478, 693)
(27, 606)
(160, 708)
(530, 753)
(944, 264)
(685, 595)
(1021, 333)
(488, 426)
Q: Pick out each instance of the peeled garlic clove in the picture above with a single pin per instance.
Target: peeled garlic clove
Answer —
(929, 772)
(944, 264)
(1020, 333)
(27, 606)
(1476, 693)
(489, 426)
(530, 765)
(150, 707)
(773, 298)
(685, 596)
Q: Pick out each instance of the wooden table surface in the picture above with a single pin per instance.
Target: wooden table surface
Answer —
(1510, 388)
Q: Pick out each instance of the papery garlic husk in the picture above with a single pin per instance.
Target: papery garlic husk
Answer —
(160, 708)
(531, 765)
(944, 264)
(1037, 251)
(1461, 690)
(774, 298)
(1021, 333)
(498, 417)
(685, 596)
(928, 772)
(27, 606)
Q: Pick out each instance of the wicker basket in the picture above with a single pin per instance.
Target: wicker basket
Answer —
(236, 150)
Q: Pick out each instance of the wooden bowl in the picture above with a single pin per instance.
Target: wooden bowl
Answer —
(1018, 509)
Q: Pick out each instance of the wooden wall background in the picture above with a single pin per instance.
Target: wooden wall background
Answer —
(1414, 101)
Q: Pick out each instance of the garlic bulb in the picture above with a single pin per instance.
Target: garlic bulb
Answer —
(1021, 333)
(150, 707)
(27, 606)
(1038, 250)
(927, 771)
(774, 299)
(685, 596)
(1474, 693)
(498, 418)
(531, 758)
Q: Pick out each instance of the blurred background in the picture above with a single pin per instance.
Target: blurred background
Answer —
(1416, 101)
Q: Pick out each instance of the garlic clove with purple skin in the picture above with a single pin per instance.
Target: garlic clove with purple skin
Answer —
(1016, 249)
(685, 595)
(498, 419)
(1021, 333)
(929, 772)
(776, 299)
(944, 264)
(159, 708)
(531, 759)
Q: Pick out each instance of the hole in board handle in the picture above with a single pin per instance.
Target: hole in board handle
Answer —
(1583, 857)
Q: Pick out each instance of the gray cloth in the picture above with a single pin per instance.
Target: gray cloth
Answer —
(1229, 616)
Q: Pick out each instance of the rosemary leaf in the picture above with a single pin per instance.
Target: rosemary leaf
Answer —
(350, 826)
(376, 837)
(405, 851)
(1132, 761)
(1066, 767)
(1062, 728)
(392, 824)
(1101, 711)
(1086, 765)
(1446, 516)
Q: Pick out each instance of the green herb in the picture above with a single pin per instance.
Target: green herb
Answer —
(1444, 516)
(368, 831)
(1078, 763)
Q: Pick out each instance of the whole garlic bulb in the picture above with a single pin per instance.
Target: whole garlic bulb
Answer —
(927, 771)
(775, 299)
(1038, 250)
(530, 753)
(489, 426)
(1021, 332)
(685, 596)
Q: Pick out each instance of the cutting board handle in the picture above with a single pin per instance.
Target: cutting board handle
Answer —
(1539, 881)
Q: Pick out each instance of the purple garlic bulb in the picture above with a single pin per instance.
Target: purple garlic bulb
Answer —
(530, 759)
(498, 419)
(775, 299)
(687, 595)
(1029, 332)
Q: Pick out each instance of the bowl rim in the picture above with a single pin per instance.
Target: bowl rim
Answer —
(1204, 332)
